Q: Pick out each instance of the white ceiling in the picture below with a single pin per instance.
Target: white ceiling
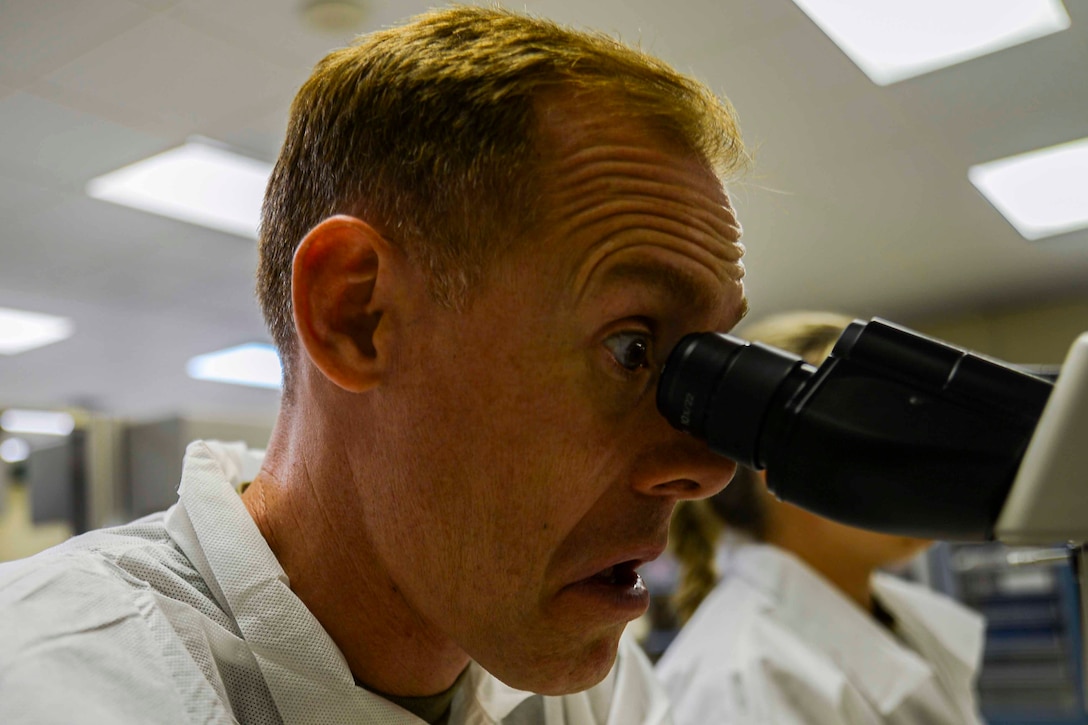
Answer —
(859, 200)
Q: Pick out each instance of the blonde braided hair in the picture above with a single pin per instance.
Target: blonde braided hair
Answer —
(693, 538)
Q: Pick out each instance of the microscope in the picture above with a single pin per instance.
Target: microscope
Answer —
(900, 433)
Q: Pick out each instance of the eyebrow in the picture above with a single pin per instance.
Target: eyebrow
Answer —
(679, 286)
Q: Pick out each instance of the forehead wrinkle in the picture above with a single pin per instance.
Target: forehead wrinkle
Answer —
(725, 272)
(640, 155)
(638, 161)
(630, 216)
(593, 202)
(621, 212)
(575, 190)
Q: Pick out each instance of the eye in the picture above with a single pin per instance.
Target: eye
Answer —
(630, 349)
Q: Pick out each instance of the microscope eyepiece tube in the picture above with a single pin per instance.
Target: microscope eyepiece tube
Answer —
(726, 390)
(894, 431)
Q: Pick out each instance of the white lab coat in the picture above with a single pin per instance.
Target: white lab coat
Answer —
(776, 644)
(187, 617)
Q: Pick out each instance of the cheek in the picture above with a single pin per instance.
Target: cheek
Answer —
(546, 470)
(556, 463)
(521, 441)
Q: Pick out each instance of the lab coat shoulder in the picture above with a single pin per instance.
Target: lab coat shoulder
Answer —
(704, 683)
(71, 629)
(82, 639)
(735, 663)
(796, 683)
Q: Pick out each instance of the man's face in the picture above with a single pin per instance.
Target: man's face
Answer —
(530, 472)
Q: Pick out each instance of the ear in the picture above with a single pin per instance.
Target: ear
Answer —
(337, 299)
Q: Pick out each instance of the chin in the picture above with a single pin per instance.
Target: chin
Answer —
(560, 673)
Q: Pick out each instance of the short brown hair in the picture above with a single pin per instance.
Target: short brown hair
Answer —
(427, 131)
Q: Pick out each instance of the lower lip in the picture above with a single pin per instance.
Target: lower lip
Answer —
(617, 601)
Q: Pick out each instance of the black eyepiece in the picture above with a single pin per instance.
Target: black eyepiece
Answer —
(722, 388)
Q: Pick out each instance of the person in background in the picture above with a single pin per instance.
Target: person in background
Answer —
(483, 236)
(788, 618)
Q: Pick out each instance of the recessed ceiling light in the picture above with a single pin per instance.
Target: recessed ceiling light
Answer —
(255, 364)
(21, 330)
(1041, 193)
(14, 450)
(891, 40)
(199, 182)
(37, 422)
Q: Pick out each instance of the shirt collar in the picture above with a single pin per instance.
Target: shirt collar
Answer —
(882, 669)
(950, 636)
(306, 673)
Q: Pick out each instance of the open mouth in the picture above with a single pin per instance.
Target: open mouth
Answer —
(624, 574)
(615, 593)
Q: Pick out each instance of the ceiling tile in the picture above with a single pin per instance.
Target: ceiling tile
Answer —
(1004, 103)
(614, 17)
(20, 198)
(49, 142)
(256, 132)
(277, 30)
(156, 5)
(38, 36)
(694, 28)
(169, 70)
(114, 256)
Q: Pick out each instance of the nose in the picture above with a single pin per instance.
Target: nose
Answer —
(680, 466)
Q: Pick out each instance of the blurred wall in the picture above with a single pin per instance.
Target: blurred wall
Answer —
(19, 535)
(1028, 335)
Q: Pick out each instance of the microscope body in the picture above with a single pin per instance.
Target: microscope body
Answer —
(1048, 501)
(896, 432)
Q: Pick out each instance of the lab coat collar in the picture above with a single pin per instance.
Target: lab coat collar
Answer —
(883, 670)
(948, 635)
(484, 699)
(306, 673)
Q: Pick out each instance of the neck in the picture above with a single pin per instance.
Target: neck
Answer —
(306, 503)
(799, 532)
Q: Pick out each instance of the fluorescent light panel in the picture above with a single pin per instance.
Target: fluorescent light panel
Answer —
(891, 40)
(37, 422)
(21, 330)
(1041, 193)
(255, 364)
(199, 182)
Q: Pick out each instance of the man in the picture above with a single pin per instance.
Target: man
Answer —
(482, 238)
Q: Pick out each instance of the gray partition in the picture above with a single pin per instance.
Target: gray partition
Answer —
(154, 453)
(55, 484)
